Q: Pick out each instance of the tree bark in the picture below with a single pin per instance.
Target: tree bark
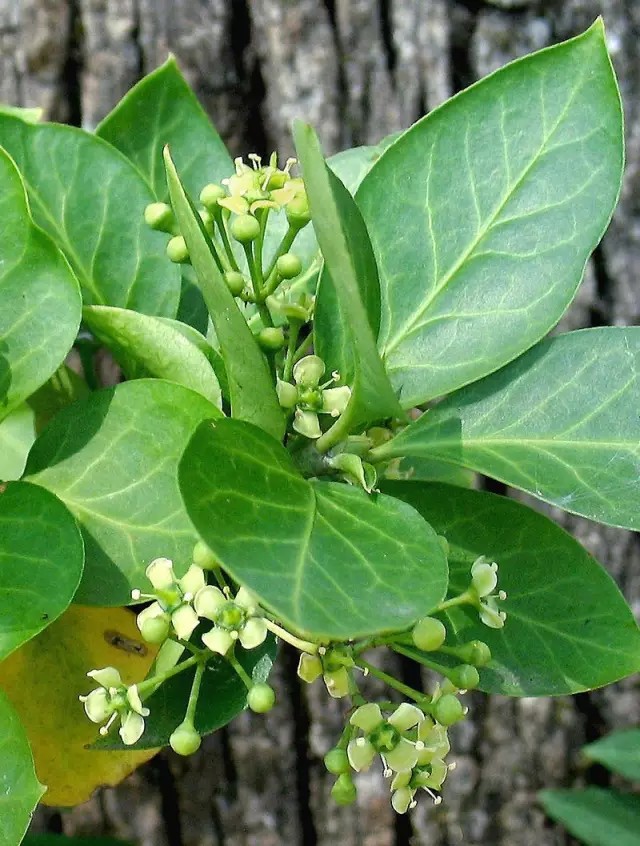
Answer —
(358, 70)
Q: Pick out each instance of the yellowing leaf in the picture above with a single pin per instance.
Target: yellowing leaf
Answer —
(43, 680)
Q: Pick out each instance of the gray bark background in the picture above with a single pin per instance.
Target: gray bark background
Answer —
(357, 69)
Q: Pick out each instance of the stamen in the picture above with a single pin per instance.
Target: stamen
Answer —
(502, 594)
(290, 163)
(256, 159)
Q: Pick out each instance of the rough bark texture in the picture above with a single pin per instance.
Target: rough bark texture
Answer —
(357, 69)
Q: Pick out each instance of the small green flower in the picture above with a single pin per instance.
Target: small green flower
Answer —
(311, 398)
(234, 619)
(173, 599)
(429, 771)
(335, 674)
(385, 736)
(484, 580)
(257, 186)
(113, 699)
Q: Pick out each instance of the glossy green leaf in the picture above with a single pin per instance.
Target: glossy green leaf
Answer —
(347, 314)
(147, 346)
(63, 840)
(112, 459)
(619, 751)
(17, 434)
(595, 816)
(21, 790)
(561, 422)
(483, 215)
(568, 628)
(325, 557)
(162, 109)
(41, 558)
(222, 697)
(30, 115)
(429, 470)
(212, 355)
(40, 311)
(63, 388)
(251, 387)
(91, 201)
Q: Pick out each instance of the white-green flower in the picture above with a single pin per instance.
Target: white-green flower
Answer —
(384, 736)
(429, 771)
(484, 580)
(114, 699)
(173, 597)
(336, 679)
(309, 397)
(236, 618)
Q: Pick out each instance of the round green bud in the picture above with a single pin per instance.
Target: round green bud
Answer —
(210, 195)
(261, 698)
(245, 228)
(344, 790)
(204, 558)
(475, 652)
(336, 761)
(177, 250)
(271, 339)
(429, 634)
(297, 211)
(185, 740)
(155, 629)
(235, 282)
(159, 216)
(207, 219)
(465, 677)
(288, 265)
(448, 710)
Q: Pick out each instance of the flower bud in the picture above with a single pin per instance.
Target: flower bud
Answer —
(475, 652)
(159, 216)
(261, 698)
(245, 228)
(344, 790)
(203, 557)
(177, 250)
(336, 761)
(207, 219)
(235, 282)
(465, 677)
(210, 195)
(297, 211)
(185, 740)
(429, 634)
(271, 339)
(309, 667)
(448, 710)
(288, 265)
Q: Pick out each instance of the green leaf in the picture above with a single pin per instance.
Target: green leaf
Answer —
(251, 387)
(63, 388)
(325, 557)
(347, 314)
(561, 422)
(619, 751)
(483, 215)
(17, 434)
(112, 459)
(147, 346)
(162, 109)
(63, 840)
(595, 816)
(32, 115)
(21, 790)
(40, 311)
(429, 470)
(222, 697)
(41, 560)
(91, 201)
(195, 337)
(568, 628)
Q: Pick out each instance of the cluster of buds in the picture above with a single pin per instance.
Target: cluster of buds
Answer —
(309, 397)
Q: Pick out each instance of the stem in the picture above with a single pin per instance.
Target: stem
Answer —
(432, 665)
(465, 598)
(338, 432)
(161, 678)
(264, 312)
(294, 331)
(389, 680)
(240, 670)
(304, 347)
(283, 247)
(283, 634)
(195, 692)
(262, 215)
(224, 237)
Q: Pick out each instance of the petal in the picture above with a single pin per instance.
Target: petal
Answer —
(96, 705)
(245, 599)
(284, 195)
(184, 620)
(148, 613)
(253, 633)
(217, 640)
(435, 778)
(335, 400)
(401, 779)
(484, 576)
(401, 799)
(403, 757)
(107, 677)
(308, 371)
(287, 394)
(263, 204)
(360, 753)
(132, 728)
(235, 204)
(208, 601)
(160, 573)
(306, 422)
(133, 698)
(367, 717)
(309, 667)
(492, 617)
(193, 580)
(337, 682)
(406, 716)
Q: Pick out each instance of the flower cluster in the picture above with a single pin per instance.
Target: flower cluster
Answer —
(309, 397)
(255, 187)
